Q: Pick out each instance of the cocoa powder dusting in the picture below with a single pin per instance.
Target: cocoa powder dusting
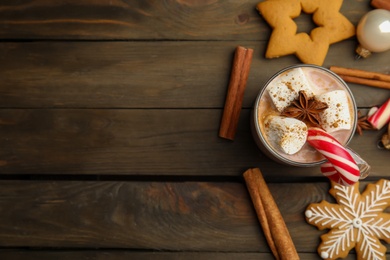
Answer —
(289, 85)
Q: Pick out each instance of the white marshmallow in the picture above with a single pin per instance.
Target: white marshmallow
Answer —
(286, 134)
(337, 116)
(285, 88)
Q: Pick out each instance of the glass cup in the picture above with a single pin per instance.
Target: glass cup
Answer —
(322, 80)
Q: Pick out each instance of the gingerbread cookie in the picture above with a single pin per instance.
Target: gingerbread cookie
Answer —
(312, 49)
(356, 221)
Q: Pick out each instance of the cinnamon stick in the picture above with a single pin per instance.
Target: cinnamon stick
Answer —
(381, 4)
(235, 95)
(373, 79)
(360, 73)
(270, 218)
(367, 82)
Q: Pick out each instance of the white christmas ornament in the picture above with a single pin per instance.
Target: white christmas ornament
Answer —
(373, 32)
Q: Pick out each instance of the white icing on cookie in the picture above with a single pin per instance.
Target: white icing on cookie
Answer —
(357, 219)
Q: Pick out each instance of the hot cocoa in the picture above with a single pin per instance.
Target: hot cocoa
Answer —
(327, 103)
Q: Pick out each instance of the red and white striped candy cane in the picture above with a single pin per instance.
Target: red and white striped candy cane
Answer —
(381, 116)
(341, 167)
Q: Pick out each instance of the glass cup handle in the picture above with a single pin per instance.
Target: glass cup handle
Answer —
(364, 167)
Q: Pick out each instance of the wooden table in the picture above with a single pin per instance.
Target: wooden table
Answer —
(109, 123)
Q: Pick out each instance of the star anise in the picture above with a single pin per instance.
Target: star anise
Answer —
(305, 109)
(362, 124)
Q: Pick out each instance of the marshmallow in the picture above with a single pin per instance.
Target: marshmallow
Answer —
(285, 88)
(286, 134)
(337, 116)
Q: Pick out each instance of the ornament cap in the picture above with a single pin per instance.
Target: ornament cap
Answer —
(363, 52)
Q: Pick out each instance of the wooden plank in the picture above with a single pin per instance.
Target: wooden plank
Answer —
(179, 216)
(115, 255)
(143, 19)
(170, 216)
(144, 142)
(148, 74)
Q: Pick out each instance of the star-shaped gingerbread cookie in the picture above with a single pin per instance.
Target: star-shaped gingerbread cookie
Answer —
(356, 221)
(312, 49)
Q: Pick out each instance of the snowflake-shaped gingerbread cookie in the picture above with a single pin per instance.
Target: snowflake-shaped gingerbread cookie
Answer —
(356, 221)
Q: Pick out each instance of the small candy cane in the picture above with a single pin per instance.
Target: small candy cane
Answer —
(381, 116)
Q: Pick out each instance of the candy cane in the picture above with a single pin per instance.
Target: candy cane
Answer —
(381, 116)
(329, 171)
(341, 167)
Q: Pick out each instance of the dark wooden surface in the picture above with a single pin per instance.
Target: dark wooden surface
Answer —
(109, 118)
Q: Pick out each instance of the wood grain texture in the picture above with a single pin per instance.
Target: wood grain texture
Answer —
(109, 117)
(144, 142)
(143, 19)
(178, 216)
(125, 255)
(149, 74)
